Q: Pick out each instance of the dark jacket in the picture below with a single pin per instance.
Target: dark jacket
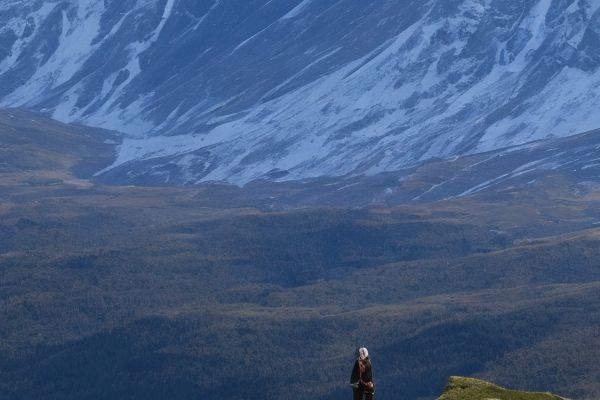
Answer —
(355, 377)
(366, 376)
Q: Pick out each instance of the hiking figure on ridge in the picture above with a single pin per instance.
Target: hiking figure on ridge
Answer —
(362, 376)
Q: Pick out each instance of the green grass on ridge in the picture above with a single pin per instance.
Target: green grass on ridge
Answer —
(460, 388)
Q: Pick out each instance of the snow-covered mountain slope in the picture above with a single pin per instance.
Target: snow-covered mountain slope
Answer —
(566, 167)
(235, 90)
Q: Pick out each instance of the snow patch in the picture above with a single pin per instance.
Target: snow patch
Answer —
(294, 12)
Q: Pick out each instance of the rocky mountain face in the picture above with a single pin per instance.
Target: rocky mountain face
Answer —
(286, 89)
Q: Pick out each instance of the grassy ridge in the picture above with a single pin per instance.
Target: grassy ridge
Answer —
(460, 388)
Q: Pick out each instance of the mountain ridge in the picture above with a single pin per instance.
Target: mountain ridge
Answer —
(544, 165)
(297, 89)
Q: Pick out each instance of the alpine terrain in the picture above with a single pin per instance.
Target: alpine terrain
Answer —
(285, 89)
(264, 291)
(224, 199)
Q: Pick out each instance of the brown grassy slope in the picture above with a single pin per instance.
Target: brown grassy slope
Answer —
(38, 150)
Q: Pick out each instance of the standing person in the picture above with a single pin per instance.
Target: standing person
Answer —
(362, 376)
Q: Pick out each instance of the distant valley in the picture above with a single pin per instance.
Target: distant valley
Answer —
(120, 291)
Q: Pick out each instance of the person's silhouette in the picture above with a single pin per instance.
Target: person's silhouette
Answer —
(362, 376)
